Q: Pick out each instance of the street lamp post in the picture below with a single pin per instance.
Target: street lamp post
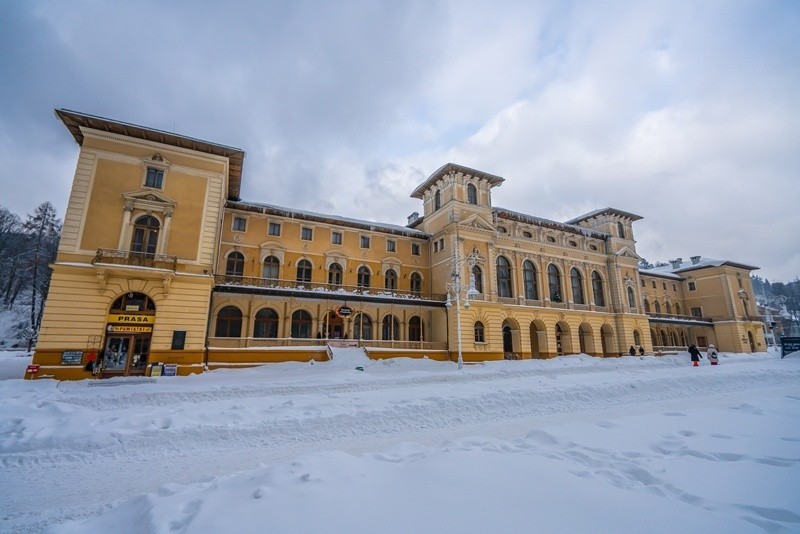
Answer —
(455, 288)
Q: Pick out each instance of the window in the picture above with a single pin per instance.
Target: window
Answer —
(653, 282)
(504, 278)
(665, 285)
(415, 249)
(657, 306)
(554, 283)
(415, 329)
(301, 324)
(593, 247)
(643, 283)
(677, 309)
(272, 268)
(637, 338)
(576, 280)
(335, 274)
(674, 287)
(362, 326)
(363, 276)
(229, 322)
(274, 229)
(416, 283)
(390, 280)
(235, 264)
(621, 230)
(438, 245)
(145, 236)
(154, 178)
(306, 234)
(669, 308)
(573, 243)
(631, 298)
(551, 239)
(502, 230)
(697, 312)
(527, 234)
(476, 271)
(479, 338)
(390, 328)
(391, 245)
(364, 241)
(336, 238)
(303, 271)
(239, 224)
(692, 286)
(266, 324)
(646, 306)
(529, 278)
(472, 194)
(597, 290)
(437, 200)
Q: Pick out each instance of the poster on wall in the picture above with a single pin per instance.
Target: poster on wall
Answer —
(72, 357)
(170, 369)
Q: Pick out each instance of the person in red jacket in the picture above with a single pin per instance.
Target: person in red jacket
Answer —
(695, 354)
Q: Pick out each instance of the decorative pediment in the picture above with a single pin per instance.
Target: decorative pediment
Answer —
(335, 256)
(148, 200)
(627, 252)
(272, 248)
(477, 222)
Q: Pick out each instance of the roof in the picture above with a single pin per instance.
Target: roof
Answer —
(605, 211)
(701, 263)
(503, 213)
(75, 120)
(447, 168)
(269, 209)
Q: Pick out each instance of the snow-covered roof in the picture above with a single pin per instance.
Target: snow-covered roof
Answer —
(696, 262)
(539, 221)
(269, 209)
(605, 211)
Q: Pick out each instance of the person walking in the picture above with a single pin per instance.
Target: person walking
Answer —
(695, 354)
(641, 350)
(632, 351)
(713, 355)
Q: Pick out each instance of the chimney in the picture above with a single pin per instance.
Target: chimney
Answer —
(413, 218)
(676, 263)
(695, 260)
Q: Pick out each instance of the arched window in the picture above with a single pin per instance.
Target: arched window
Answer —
(621, 230)
(576, 279)
(363, 276)
(272, 267)
(303, 271)
(597, 289)
(133, 302)
(529, 278)
(677, 309)
(554, 283)
(472, 194)
(416, 283)
(637, 338)
(415, 329)
(145, 236)
(646, 306)
(301, 324)
(335, 274)
(437, 200)
(657, 306)
(229, 322)
(631, 298)
(504, 278)
(390, 328)
(266, 324)
(235, 264)
(669, 307)
(390, 280)
(478, 278)
(479, 337)
(362, 326)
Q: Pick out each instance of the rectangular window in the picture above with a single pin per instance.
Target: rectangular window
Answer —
(665, 285)
(435, 246)
(415, 249)
(336, 238)
(642, 282)
(391, 246)
(274, 229)
(674, 287)
(239, 224)
(306, 234)
(654, 284)
(692, 286)
(697, 312)
(155, 178)
(364, 241)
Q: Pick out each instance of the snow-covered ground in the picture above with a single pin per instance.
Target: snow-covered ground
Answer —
(573, 444)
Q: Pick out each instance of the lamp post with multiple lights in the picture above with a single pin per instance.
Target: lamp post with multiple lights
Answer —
(455, 288)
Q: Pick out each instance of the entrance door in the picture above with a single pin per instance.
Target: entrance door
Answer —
(126, 355)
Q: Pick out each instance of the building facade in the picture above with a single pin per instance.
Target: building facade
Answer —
(160, 260)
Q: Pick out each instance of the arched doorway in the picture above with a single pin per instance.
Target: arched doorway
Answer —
(563, 339)
(586, 339)
(511, 340)
(752, 342)
(538, 333)
(607, 340)
(128, 334)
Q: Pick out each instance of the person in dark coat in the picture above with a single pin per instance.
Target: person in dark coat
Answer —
(632, 351)
(641, 351)
(695, 354)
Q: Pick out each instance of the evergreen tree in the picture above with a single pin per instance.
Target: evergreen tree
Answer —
(42, 229)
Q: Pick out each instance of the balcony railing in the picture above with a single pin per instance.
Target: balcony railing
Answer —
(315, 287)
(138, 259)
(672, 316)
(250, 343)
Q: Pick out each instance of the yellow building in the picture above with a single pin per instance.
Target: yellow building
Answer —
(163, 268)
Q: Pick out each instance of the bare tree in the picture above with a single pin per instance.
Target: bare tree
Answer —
(42, 229)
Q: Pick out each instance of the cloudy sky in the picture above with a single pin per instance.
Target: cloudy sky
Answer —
(681, 112)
